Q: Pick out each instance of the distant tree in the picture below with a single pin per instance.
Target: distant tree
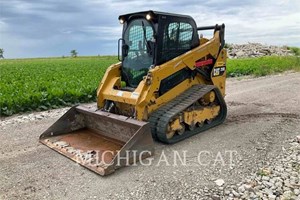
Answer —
(74, 53)
(1, 53)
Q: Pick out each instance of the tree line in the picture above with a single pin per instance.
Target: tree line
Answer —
(73, 53)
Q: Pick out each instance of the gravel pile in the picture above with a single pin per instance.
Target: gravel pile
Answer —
(281, 181)
(256, 50)
(278, 181)
(6, 121)
(36, 116)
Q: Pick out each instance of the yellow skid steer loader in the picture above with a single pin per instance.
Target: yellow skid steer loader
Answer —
(168, 85)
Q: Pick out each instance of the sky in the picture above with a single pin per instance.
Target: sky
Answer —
(44, 28)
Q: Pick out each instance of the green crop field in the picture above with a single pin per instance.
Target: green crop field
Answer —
(45, 83)
(262, 66)
(41, 84)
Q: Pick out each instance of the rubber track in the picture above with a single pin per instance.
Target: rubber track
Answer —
(159, 119)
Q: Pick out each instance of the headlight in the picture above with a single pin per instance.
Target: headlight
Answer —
(121, 21)
(148, 16)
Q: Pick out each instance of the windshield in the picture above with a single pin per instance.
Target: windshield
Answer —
(138, 37)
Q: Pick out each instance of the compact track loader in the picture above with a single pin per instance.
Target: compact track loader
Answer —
(168, 85)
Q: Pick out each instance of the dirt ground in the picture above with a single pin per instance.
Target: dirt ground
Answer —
(263, 113)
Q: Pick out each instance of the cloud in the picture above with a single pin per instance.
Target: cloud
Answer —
(52, 27)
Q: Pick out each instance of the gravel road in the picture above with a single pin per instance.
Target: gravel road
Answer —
(263, 120)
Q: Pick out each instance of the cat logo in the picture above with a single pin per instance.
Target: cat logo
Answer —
(219, 71)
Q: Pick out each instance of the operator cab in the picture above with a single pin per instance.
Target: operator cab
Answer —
(152, 38)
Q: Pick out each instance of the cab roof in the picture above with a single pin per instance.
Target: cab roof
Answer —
(155, 13)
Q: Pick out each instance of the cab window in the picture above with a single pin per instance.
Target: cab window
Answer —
(177, 39)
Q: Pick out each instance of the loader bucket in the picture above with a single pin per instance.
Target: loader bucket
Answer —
(100, 141)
